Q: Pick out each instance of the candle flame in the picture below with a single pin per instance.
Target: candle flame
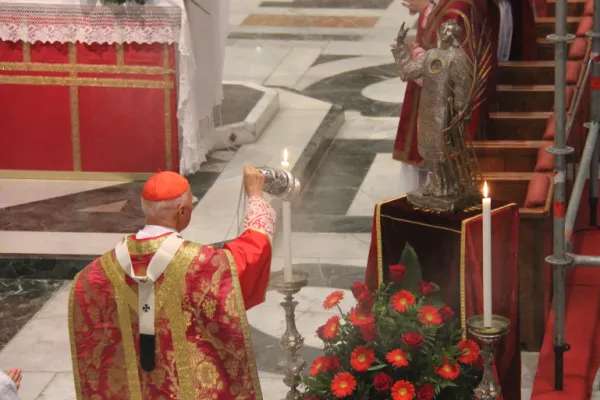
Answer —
(485, 189)
(285, 155)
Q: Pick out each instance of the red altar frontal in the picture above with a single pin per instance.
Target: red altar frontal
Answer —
(75, 107)
(450, 249)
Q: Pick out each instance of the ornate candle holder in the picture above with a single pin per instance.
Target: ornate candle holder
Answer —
(489, 388)
(291, 341)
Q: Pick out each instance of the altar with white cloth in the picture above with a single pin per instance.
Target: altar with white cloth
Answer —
(88, 89)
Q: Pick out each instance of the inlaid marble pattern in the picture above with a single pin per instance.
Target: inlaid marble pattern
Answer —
(346, 89)
(20, 300)
(325, 202)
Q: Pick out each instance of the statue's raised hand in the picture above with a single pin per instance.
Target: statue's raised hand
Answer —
(402, 35)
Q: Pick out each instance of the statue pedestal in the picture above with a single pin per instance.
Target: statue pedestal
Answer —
(450, 249)
(443, 204)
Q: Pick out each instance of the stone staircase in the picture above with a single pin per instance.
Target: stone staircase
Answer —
(514, 161)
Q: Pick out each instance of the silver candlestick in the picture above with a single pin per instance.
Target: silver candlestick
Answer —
(489, 387)
(291, 341)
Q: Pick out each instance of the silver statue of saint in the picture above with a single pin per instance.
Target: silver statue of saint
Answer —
(445, 107)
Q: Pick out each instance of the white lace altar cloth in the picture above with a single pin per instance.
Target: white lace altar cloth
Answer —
(162, 21)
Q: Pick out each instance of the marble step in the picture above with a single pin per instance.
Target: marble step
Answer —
(546, 25)
(507, 155)
(246, 112)
(528, 98)
(574, 7)
(540, 72)
(518, 125)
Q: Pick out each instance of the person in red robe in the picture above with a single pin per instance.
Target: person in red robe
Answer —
(431, 15)
(162, 318)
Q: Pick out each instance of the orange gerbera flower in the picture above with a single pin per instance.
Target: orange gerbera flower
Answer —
(402, 300)
(469, 350)
(318, 366)
(333, 299)
(429, 315)
(343, 385)
(397, 358)
(331, 328)
(403, 390)
(359, 317)
(362, 358)
(448, 370)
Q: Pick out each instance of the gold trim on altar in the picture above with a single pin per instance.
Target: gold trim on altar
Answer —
(148, 77)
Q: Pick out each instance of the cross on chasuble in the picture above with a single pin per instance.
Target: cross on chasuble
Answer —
(163, 318)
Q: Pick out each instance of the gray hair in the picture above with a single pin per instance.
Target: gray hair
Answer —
(164, 208)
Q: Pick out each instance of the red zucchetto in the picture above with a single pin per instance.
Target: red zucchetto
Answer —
(165, 186)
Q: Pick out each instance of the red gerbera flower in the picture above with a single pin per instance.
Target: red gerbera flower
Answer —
(429, 315)
(397, 358)
(469, 351)
(448, 370)
(362, 358)
(318, 366)
(331, 328)
(333, 299)
(403, 390)
(402, 300)
(343, 385)
(382, 382)
(360, 317)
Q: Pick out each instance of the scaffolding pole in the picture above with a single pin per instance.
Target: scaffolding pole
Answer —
(591, 148)
(559, 260)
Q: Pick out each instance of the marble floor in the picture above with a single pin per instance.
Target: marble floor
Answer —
(338, 105)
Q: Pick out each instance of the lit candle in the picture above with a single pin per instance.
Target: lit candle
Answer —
(487, 258)
(287, 229)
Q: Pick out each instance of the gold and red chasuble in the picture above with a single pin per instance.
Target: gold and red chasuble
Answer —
(203, 345)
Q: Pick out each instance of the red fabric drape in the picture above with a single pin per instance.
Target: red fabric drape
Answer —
(450, 249)
(104, 127)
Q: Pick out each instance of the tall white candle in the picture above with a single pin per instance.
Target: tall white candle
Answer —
(287, 229)
(487, 258)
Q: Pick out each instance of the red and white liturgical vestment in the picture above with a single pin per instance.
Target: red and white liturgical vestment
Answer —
(202, 340)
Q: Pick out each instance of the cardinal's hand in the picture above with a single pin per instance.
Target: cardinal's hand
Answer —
(254, 182)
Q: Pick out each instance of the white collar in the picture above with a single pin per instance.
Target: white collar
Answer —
(151, 231)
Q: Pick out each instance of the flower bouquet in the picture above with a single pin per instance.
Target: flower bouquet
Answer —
(400, 342)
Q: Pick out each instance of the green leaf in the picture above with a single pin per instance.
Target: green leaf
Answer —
(377, 367)
(410, 260)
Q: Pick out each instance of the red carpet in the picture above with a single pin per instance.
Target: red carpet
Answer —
(582, 325)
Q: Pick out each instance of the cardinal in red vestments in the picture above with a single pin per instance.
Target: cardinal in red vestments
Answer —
(162, 318)
(471, 15)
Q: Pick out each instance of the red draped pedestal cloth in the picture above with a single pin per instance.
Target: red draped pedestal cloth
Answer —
(74, 107)
(450, 249)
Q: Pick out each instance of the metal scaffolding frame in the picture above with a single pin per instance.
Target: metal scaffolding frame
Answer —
(564, 222)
